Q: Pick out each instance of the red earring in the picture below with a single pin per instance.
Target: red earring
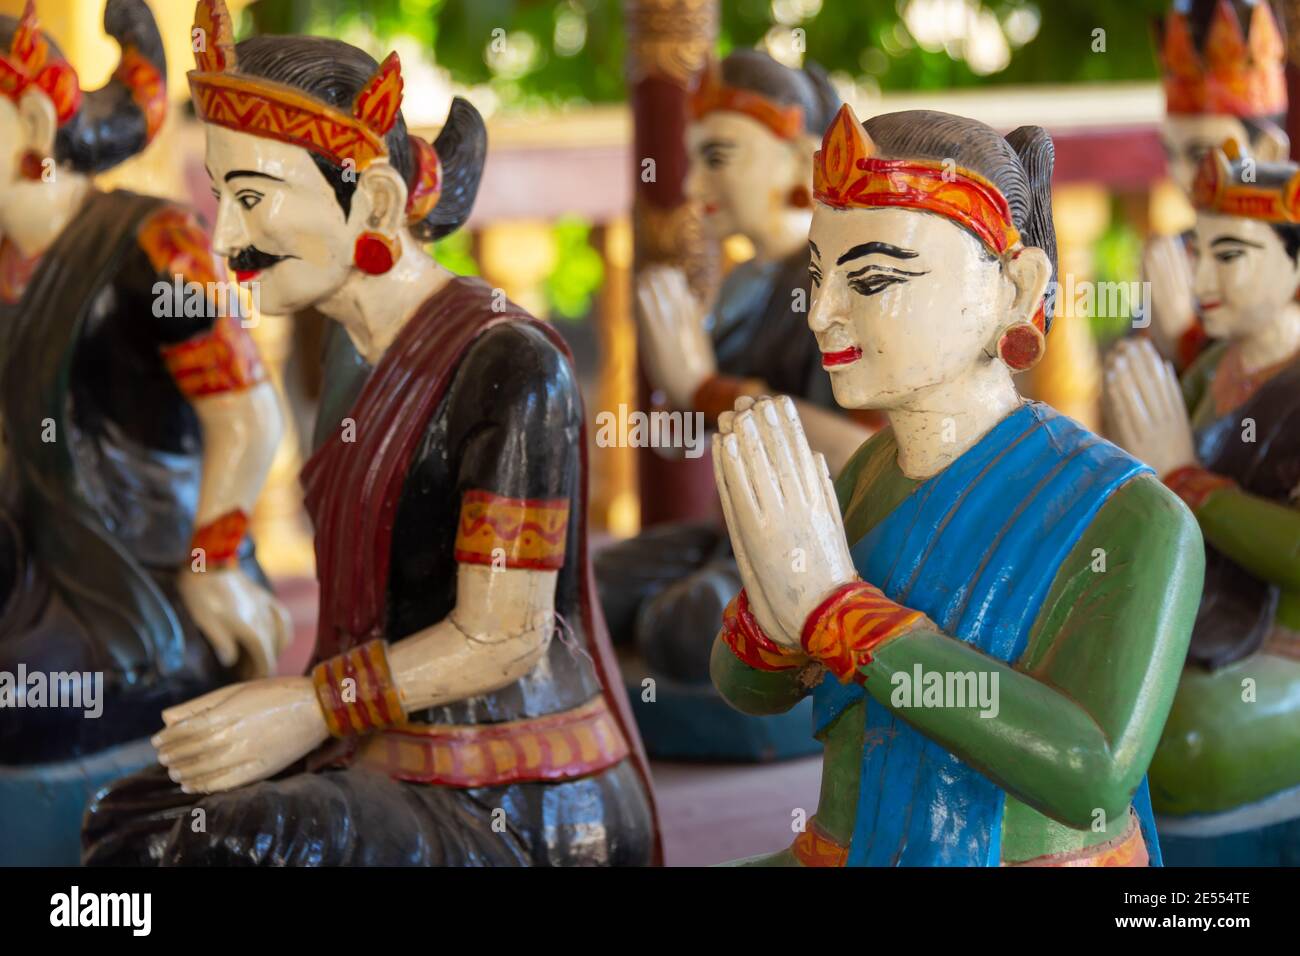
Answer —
(1021, 346)
(33, 165)
(799, 198)
(375, 253)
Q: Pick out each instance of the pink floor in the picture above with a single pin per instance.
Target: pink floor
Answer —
(711, 813)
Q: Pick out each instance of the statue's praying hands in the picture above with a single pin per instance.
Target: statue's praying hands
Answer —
(782, 514)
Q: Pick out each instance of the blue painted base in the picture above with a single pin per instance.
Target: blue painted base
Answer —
(693, 722)
(41, 805)
(1275, 845)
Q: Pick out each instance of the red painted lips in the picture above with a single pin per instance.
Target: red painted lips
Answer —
(247, 275)
(842, 357)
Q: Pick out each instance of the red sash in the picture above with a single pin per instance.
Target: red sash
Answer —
(352, 489)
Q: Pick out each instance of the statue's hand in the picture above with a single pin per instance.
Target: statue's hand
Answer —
(782, 514)
(241, 733)
(677, 350)
(1144, 406)
(1166, 266)
(236, 613)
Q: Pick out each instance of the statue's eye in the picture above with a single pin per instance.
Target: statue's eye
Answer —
(248, 198)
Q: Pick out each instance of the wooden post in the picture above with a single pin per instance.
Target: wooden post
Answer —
(669, 42)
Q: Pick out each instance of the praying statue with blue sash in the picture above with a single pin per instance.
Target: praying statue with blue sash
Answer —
(991, 605)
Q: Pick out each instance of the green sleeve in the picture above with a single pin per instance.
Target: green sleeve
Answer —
(1196, 379)
(1080, 714)
(1262, 536)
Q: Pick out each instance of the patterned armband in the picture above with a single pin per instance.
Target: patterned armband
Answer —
(718, 394)
(512, 532)
(221, 360)
(1194, 484)
(218, 541)
(741, 633)
(356, 691)
(851, 624)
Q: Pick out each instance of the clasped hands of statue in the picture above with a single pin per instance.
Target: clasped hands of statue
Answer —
(801, 589)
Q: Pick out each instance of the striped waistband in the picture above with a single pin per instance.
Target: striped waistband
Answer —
(814, 848)
(563, 746)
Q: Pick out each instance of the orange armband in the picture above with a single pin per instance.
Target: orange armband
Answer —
(356, 691)
(850, 624)
(512, 532)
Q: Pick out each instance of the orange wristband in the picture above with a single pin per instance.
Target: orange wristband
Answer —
(356, 691)
(1194, 484)
(850, 624)
(741, 633)
(219, 540)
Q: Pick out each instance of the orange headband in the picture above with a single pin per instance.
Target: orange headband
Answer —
(249, 104)
(28, 63)
(785, 122)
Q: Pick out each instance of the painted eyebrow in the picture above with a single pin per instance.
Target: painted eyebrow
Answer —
(237, 173)
(813, 246)
(876, 249)
(1230, 240)
(717, 144)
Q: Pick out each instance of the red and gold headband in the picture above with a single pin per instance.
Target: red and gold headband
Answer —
(1271, 193)
(249, 104)
(847, 174)
(1242, 76)
(785, 122)
(28, 63)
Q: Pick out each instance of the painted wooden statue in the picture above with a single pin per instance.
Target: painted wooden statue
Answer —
(755, 126)
(139, 428)
(462, 708)
(1223, 63)
(991, 605)
(1226, 777)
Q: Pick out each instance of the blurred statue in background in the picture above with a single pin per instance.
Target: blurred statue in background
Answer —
(1226, 778)
(755, 126)
(992, 604)
(139, 427)
(1223, 63)
(462, 708)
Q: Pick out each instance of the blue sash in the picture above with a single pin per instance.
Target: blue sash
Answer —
(976, 548)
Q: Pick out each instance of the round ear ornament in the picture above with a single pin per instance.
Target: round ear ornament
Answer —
(800, 198)
(375, 253)
(1021, 346)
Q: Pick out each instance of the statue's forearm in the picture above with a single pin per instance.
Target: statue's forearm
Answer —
(241, 432)
(1031, 739)
(758, 692)
(1260, 535)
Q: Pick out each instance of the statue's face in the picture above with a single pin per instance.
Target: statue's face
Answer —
(741, 174)
(278, 222)
(1188, 139)
(902, 300)
(1244, 276)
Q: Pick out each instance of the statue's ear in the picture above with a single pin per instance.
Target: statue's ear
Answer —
(40, 121)
(1029, 270)
(383, 194)
(1271, 144)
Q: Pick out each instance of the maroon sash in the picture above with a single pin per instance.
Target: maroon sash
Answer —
(352, 489)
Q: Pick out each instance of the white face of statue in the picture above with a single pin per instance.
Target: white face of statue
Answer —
(741, 174)
(1244, 277)
(26, 205)
(1188, 139)
(278, 221)
(904, 300)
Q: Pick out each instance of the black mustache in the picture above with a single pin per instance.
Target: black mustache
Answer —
(253, 259)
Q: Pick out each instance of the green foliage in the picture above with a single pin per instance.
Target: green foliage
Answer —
(455, 252)
(1117, 257)
(535, 53)
(579, 272)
